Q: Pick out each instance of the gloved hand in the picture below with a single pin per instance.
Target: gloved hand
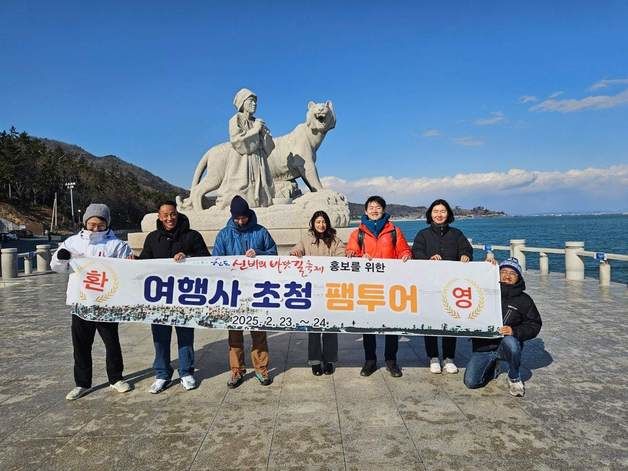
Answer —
(63, 254)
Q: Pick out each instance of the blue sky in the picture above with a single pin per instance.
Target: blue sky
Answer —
(522, 107)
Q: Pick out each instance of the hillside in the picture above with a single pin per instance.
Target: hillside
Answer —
(33, 170)
(110, 162)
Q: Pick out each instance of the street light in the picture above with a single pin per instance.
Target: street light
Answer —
(70, 186)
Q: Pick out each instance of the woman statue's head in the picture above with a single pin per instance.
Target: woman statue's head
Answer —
(244, 100)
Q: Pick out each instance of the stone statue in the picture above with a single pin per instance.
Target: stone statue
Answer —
(293, 157)
(246, 172)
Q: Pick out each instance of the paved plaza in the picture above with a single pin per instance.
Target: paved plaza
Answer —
(574, 414)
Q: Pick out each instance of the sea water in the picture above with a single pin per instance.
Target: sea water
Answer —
(600, 233)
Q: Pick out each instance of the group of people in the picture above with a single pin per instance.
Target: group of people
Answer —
(376, 237)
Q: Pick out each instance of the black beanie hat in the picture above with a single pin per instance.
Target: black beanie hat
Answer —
(239, 207)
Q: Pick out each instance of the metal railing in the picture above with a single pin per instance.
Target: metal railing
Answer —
(9, 258)
(573, 252)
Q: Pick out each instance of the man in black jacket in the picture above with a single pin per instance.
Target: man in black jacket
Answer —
(173, 239)
(521, 321)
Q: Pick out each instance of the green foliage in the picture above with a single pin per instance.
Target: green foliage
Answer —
(31, 173)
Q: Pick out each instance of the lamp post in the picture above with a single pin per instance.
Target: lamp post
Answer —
(79, 217)
(70, 186)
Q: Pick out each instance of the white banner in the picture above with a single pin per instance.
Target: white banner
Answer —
(288, 293)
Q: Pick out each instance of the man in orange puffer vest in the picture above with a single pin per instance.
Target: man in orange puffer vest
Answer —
(377, 237)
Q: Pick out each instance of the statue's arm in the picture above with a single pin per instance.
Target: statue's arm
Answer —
(244, 141)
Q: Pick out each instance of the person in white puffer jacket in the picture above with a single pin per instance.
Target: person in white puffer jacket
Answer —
(95, 240)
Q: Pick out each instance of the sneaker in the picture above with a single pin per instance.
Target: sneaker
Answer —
(393, 369)
(449, 366)
(370, 366)
(317, 370)
(435, 365)
(235, 379)
(121, 386)
(264, 380)
(516, 388)
(159, 385)
(329, 369)
(76, 393)
(188, 382)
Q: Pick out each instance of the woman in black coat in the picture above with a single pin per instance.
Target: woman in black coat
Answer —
(440, 241)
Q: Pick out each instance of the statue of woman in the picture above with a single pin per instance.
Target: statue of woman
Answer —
(247, 173)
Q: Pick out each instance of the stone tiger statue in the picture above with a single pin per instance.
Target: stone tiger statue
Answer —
(293, 157)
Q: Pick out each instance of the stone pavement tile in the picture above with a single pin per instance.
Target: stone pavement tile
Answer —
(371, 445)
(306, 408)
(209, 391)
(309, 436)
(455, 446)
(300, 384)
(376, 413)
(24, 406)
(28, 454)
(385, 466)
(232, 417)
(236, 445)
(65, 419)
(132, 451)
(427, 411)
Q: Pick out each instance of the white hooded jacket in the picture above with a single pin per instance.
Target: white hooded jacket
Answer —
(91, 244)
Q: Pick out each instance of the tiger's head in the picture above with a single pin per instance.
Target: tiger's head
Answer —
(320, 116)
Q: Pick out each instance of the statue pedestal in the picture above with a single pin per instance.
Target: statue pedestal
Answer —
(287, 223)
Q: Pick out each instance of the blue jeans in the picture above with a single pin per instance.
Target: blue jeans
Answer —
(481, 367)
(161, 339)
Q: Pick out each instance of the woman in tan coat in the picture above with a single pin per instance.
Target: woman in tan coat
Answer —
(321, 241)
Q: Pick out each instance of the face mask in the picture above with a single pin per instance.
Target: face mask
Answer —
(95, 237)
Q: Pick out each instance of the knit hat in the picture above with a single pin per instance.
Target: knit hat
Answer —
(239, 207)
(241, 97)
(512, 263)
(97, 210)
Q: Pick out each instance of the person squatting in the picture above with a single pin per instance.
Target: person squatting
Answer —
(375, 237)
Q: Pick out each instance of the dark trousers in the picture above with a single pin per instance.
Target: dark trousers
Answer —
(83, 333)
(162, 336)
(482, 365)
(449, 347)
(390, 349)
(325, 351)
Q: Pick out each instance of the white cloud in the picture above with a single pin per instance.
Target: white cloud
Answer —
(431, 133)
(528, 99)
(602, 188)
(604, 83)
(555, 94)
(495, 118)
(590, 102)
(468, 141)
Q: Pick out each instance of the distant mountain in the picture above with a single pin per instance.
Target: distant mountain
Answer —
(109, 162)
(400, 211)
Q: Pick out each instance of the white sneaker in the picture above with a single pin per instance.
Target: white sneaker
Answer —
(188, 382)
(516, 388)
(435, 365)
(158, 386)
(76, 393)
(449, 366)
(121, 386)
